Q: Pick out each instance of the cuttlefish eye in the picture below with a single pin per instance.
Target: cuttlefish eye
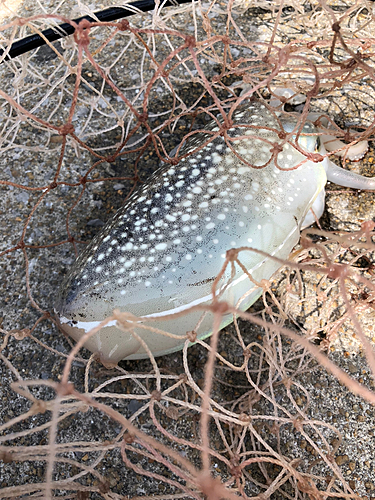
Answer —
(310, 143)
(161, 252)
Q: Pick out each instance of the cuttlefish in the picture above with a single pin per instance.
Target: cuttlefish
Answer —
(161, 252)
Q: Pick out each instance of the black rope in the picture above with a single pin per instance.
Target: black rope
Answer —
(52, 34)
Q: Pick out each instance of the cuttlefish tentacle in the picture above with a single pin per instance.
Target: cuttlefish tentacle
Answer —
(161, 252)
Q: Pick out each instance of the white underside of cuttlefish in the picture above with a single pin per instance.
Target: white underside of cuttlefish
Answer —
(161, 252)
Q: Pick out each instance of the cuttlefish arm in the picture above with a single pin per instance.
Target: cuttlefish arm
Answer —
(349, 179)
(331, 143)
(354, 152)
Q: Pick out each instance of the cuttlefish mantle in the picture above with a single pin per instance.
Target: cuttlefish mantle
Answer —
(162, 250)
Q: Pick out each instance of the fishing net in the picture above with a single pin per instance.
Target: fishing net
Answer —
(259, 410)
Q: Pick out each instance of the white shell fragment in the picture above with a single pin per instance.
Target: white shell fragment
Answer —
(162, 250)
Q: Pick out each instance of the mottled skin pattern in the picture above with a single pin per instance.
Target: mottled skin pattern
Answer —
(164, 247)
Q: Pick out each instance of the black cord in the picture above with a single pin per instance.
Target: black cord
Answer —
(52, 34)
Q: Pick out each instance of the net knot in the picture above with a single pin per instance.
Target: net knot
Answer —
(67, 128)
